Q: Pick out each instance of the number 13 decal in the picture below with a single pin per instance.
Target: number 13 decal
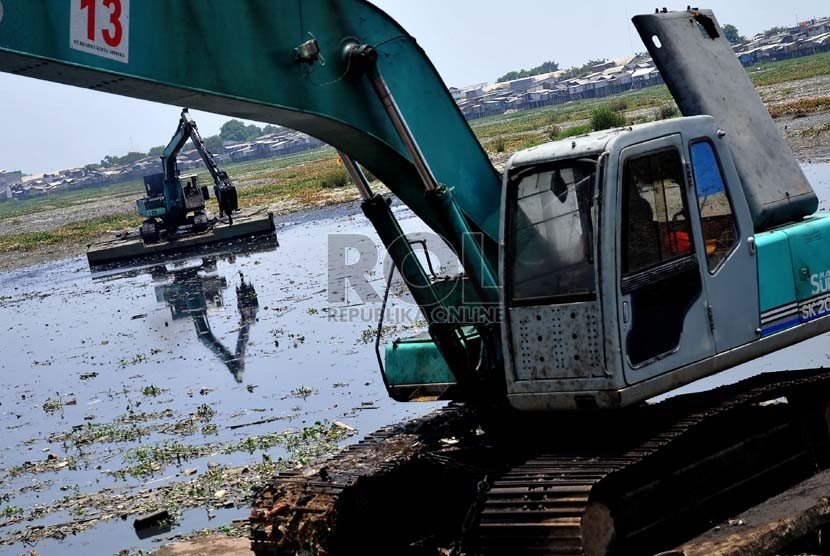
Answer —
(101, 27)
(111, 36)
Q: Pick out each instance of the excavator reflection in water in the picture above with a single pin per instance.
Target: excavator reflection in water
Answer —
(195, 292)
(194, 287)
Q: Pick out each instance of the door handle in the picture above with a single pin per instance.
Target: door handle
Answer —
(626, 312)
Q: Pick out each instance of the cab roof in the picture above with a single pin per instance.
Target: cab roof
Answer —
(592, 144)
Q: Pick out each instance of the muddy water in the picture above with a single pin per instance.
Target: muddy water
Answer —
(249, 336)
(240, 338)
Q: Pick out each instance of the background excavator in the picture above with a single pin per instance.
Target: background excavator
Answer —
(172, 197)
(599, 271)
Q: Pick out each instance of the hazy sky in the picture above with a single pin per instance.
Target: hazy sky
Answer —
(44, 126)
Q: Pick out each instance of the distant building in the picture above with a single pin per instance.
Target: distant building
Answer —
(7, 180)
(628, 73)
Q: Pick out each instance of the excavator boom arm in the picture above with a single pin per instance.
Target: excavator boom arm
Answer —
(174, 147)
(220, 177)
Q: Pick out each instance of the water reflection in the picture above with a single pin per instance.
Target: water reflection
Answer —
(194, 288)
(195, 292)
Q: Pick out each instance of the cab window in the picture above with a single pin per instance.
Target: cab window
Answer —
(655, 218)
(659, 271)
(552, 238)
(720, 234)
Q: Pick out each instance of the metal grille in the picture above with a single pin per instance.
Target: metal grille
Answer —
(557, 341)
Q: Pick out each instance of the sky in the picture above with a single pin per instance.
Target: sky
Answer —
(44, 126)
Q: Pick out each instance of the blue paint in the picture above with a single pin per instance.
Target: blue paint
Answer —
(781, 326)
(708, 179)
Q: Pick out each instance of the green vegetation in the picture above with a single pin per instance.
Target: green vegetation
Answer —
(234, 130)
(10, 511)
(134, 360)
(575, 112)
(773, 31)
(545, 67)
(575, 131)
(732, 35)
(618, 105)
(90, 433)
(52, 404)
(301, 445)
(78, 232)
(77, 511)
(799, 108)
(336, 178)
(205, 412)
(151, 391)
(128, 191)
(150, 459)
(302, 392)
(790, 70)
(605, 118)
(668, 111)
(304, 445)
(214, 144)
(584, 69)
(814, 131)
(128, 158)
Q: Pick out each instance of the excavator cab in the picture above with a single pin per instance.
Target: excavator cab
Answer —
(631, 266)
(616, 247)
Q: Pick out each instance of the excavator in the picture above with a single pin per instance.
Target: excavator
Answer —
(599, 272)
(176, 220)
(172, 197)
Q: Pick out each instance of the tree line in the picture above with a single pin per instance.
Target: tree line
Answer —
(545, 67)
(232, 130)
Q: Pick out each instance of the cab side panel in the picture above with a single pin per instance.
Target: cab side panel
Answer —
(556, 342)
(794, 274)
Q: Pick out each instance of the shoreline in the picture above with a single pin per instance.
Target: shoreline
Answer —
(336, 205)
(19, 260)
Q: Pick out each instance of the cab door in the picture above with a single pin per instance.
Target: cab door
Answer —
(730, 269)
(663, 309)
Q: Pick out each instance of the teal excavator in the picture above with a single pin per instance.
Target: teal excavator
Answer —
(599, 271)
(174, 201)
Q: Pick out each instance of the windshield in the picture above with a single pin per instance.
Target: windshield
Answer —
(552, 237)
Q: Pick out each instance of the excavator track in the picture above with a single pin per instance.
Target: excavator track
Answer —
(341, 504)
(702, 458)
(635, 481)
